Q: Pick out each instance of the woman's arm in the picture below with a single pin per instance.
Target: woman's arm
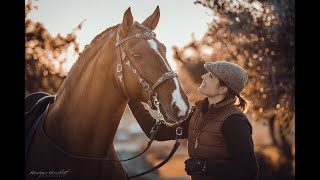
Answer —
(237, 132)
(146, 122)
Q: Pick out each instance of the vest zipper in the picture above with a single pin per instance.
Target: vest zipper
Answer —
(199, 131)
(196, 143)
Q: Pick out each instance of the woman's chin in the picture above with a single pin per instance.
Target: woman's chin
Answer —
(201, 89)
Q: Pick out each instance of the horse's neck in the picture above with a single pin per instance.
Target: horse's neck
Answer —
(86, 115)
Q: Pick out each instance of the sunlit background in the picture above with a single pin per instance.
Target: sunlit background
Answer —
(258, 35)
(178, 19)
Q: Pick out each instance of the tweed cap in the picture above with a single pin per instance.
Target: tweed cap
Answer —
(233, 75)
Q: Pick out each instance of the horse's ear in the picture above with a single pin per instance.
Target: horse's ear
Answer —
(152, 21)
(127, 21)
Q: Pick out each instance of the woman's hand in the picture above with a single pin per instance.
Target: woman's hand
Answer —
(195, 166)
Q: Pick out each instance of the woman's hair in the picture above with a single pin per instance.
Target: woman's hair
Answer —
(243, 103)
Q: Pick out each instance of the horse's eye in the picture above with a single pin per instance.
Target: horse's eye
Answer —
(136, 55)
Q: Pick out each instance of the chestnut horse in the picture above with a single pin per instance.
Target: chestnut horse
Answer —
(74, 139)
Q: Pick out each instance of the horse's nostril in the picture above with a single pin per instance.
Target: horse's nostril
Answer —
(176, 109)
(180, 114)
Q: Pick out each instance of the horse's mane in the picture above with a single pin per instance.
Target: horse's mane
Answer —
(86, 54)
(82, 60)
(98, 37)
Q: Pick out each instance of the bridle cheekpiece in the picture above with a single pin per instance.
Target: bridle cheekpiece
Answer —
(153, 99)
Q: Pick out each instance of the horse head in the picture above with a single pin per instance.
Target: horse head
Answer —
(123, 62)
(143, 68)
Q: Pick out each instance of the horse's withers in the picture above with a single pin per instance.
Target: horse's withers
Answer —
(77, 136)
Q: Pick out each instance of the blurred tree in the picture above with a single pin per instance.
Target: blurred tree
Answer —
(260, 36)
(45, 55)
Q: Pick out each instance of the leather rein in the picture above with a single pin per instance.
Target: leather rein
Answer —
(153, 102)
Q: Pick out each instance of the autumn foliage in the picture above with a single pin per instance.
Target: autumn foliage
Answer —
(259, 36)
(45, 55)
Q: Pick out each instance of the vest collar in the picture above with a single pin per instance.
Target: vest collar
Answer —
(202, 105)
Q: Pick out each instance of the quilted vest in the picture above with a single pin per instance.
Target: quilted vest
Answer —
(205, 139)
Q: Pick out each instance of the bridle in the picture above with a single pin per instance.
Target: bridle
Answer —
(152, 102)
(125, 59)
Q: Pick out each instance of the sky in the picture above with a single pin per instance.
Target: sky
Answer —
(179, 19)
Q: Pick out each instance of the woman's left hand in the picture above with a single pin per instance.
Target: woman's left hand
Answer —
(195, 166)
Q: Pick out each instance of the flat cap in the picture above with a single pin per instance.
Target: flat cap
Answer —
(233, 75)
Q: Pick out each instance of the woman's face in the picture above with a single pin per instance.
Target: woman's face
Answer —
(210, 85)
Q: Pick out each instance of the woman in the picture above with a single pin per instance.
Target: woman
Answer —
(219, 134)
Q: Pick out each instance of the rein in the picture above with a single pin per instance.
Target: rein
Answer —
(153, 102)
(153, 132)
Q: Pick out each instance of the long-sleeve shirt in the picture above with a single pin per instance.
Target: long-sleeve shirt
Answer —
(236, 131)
